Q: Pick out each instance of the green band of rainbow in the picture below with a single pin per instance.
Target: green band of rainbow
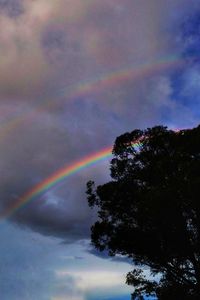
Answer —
(58, 177)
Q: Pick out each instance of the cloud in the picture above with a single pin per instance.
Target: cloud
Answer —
(63, 212)
(105, 255)
(22, 255)
(12, 8)
(33, 267)
(97, 283)
(68, 298)
(93, 280)
(48, 52)
(44, 47)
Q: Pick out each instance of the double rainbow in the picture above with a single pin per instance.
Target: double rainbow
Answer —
(104, 81)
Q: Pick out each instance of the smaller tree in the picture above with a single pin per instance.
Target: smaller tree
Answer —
(150, 211)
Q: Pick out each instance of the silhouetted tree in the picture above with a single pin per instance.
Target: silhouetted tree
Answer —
(150, 211)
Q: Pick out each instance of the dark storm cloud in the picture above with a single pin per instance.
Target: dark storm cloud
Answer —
(66, 216)
(34, 153)
(47, 149)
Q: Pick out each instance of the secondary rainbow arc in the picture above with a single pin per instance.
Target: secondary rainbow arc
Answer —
(108, 79)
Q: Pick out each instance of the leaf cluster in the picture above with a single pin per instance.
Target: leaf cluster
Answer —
(150, 210)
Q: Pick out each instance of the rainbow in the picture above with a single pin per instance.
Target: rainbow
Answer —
(57, 177)
(134, 72)
(99, 83)
(73, 92)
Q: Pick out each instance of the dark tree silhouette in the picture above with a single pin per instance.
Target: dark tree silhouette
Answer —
(150, 211)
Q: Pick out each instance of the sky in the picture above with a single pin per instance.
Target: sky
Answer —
(75, 74)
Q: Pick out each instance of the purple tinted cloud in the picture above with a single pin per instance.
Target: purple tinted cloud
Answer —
(47, 55)
(12, 8)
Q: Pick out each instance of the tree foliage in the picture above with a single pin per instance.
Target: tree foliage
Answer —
(150, 210)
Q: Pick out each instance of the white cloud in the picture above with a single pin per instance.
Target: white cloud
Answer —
(69, 298)
(88, 281)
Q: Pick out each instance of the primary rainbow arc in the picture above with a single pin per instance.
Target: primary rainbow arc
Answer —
(58, 177)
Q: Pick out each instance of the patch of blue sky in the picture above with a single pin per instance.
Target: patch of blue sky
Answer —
(186, 90)
(190, 36)
(185, 83)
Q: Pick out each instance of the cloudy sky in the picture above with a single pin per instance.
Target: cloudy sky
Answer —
(75, 74)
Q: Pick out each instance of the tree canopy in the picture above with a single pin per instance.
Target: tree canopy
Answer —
(150, 210)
